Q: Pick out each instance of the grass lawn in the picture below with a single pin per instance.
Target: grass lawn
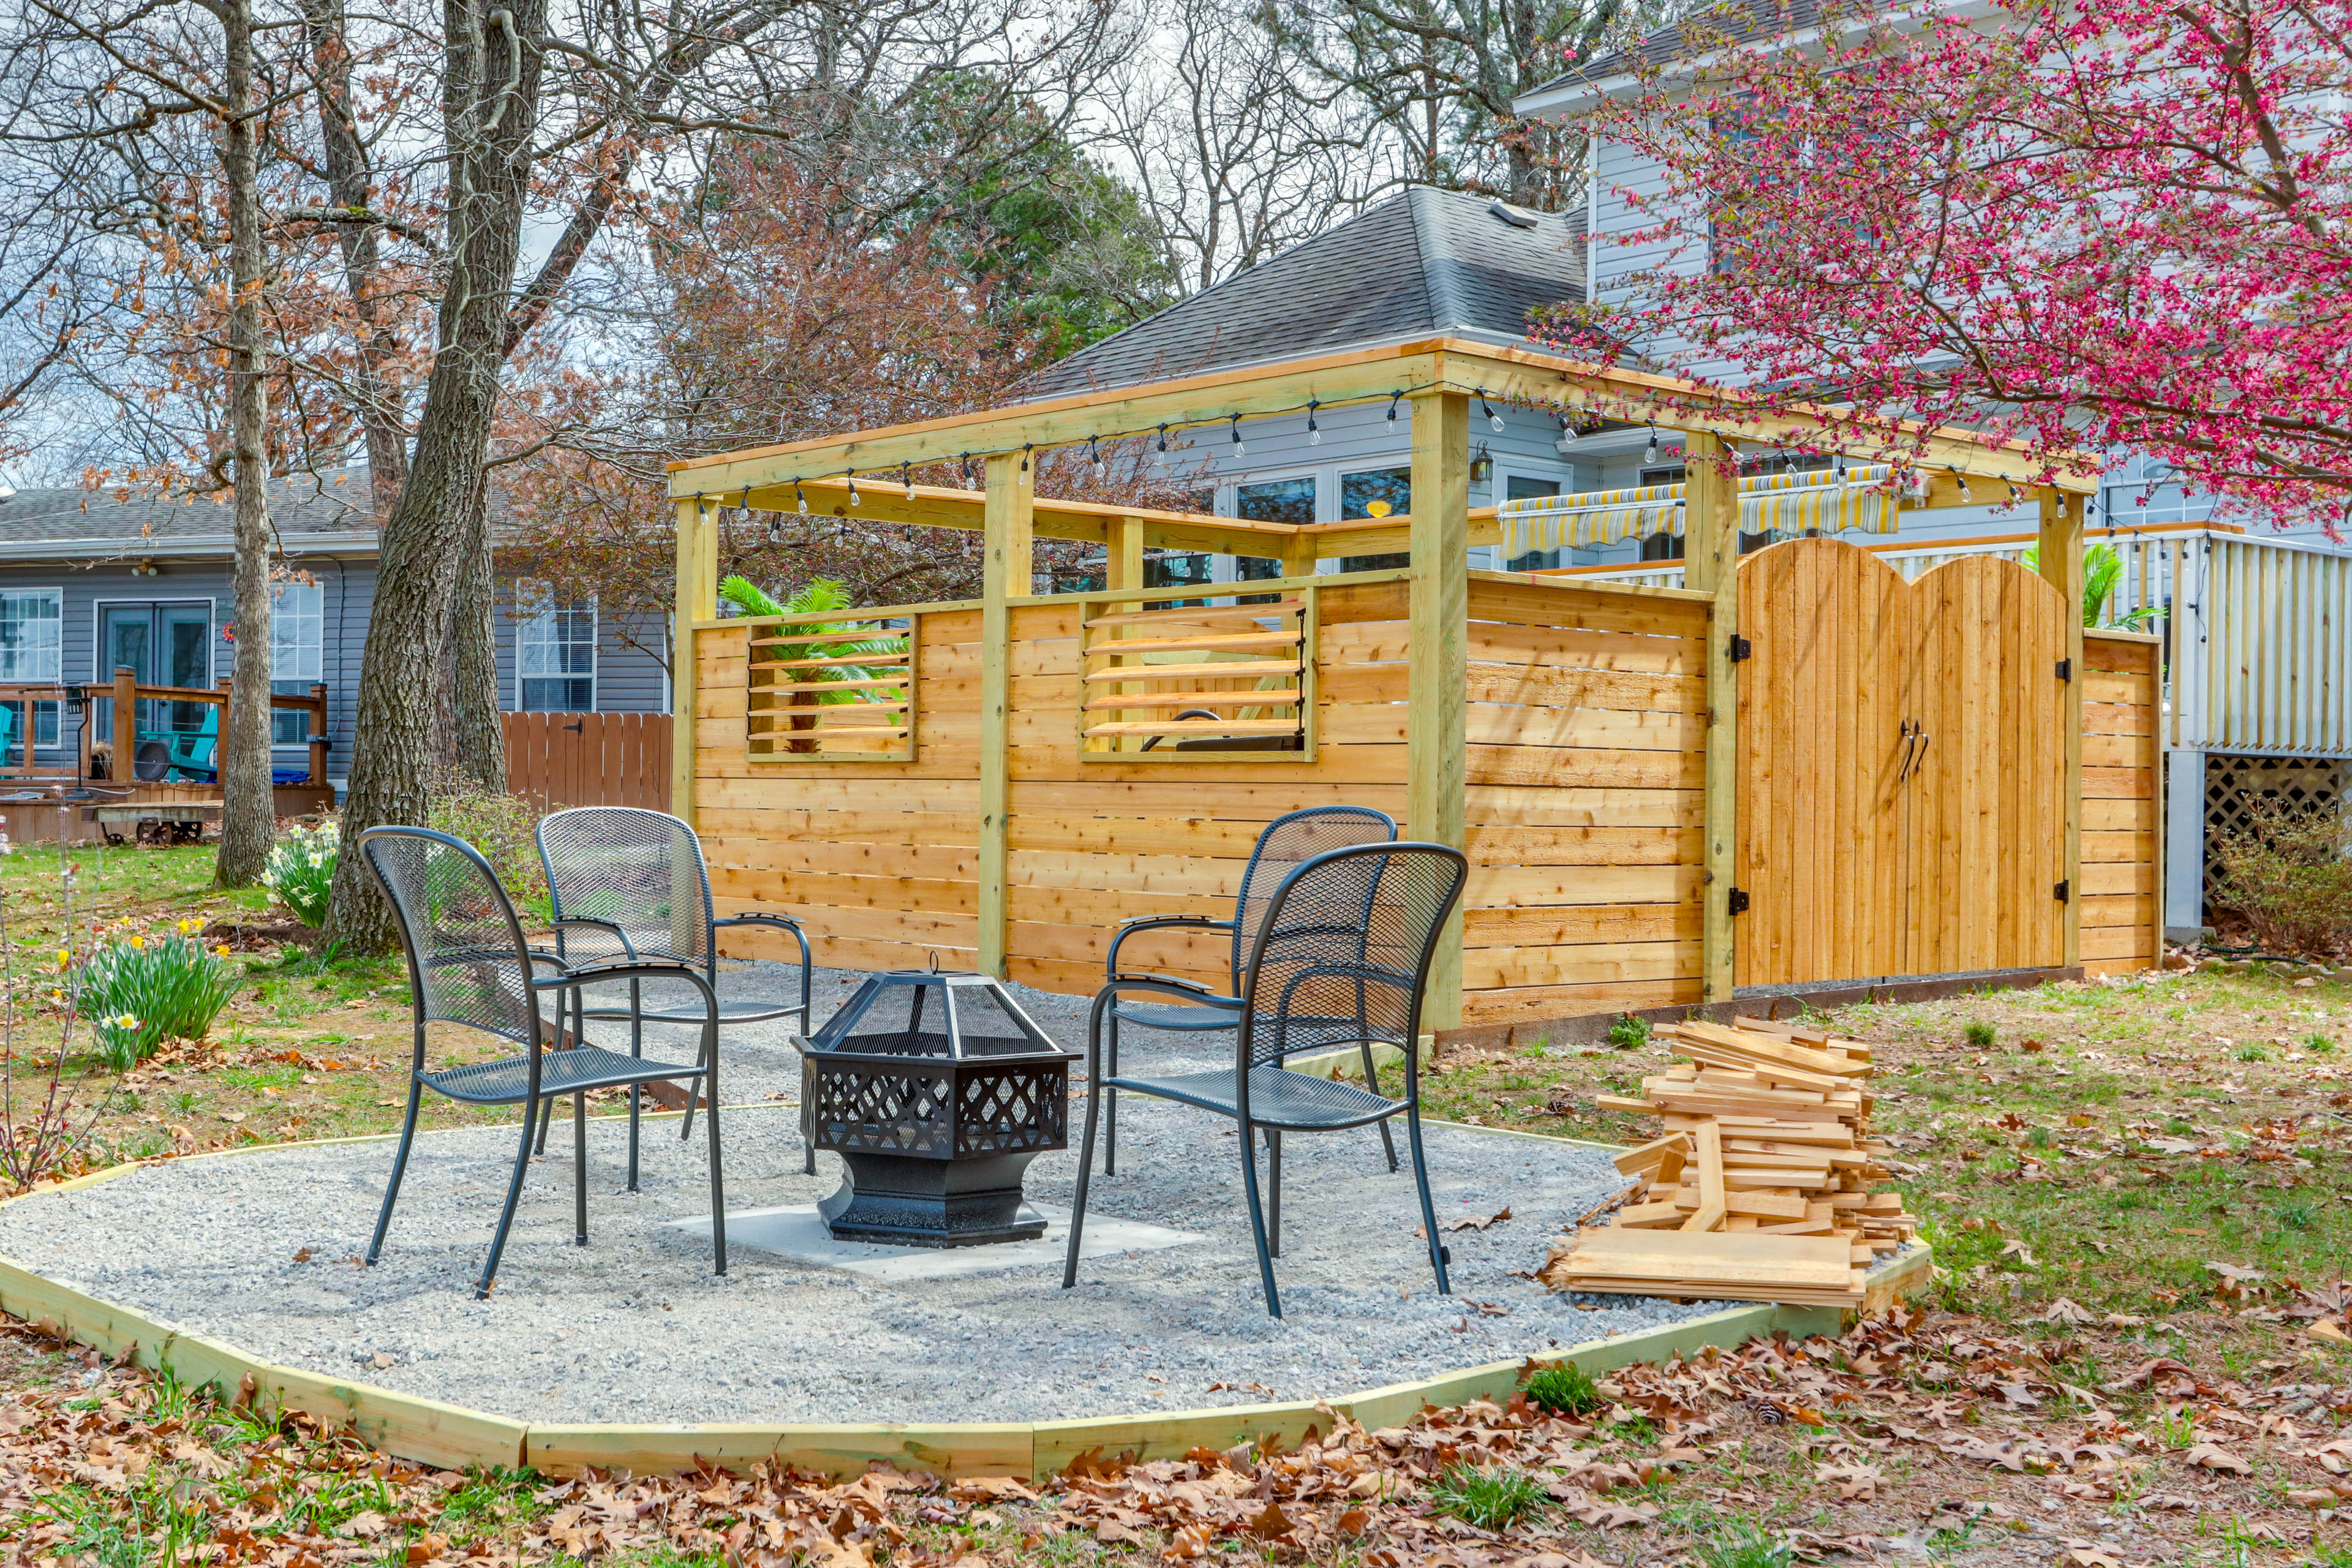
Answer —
(2136, 1352)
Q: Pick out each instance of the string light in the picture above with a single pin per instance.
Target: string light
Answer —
(1965, 494)
(2015, 495)
(1841, 468)
(1394, 398)
(1314, 435)
(966, 470)
(1235, 425)
(1163, 439)
(1649, 453)
(907, 480)
(1024, 456)
(1492, 418)
(799, 496)
(851, 475)
(1094, 455)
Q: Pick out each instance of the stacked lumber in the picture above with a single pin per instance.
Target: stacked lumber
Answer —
(1761, 1188)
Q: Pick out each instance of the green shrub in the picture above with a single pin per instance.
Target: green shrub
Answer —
(302, 869)
(1488, 1498)
(1565, 1390)
(140, 992)
(2288, 872)
(1980, 1033)
(504, 827)
(1629, 1033)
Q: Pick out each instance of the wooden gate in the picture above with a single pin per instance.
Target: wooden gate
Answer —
(1902, 769)
(590, 759)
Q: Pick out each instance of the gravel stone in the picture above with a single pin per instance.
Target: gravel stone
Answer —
(636, 1328)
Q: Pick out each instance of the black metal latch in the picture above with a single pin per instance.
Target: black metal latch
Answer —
(2062, 891)
(2065, 669)
(1740, 648)
(1737, 902)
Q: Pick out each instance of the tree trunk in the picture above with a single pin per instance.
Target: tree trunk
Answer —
(249, 805)
(348, 186)
(489, 107)
(481, 739)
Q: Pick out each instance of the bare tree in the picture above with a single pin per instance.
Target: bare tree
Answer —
(1236, 154)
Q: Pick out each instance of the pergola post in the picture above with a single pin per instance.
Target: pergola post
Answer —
(1711, 565)
(1007, 558)
(698, 600)
(1123, 554)
(1438, 682)
(2059, 551)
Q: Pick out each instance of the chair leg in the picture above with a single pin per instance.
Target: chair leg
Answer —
(808, 1116)
(579, 1167)
(717, 1182)
(1274, 1190)
(1372, 1082)
(1111, 1104)
(1428, 1208)
(636, 1091)
(1257, 1220)
(399, 1169)
(514, 1192)
(1078, 1201)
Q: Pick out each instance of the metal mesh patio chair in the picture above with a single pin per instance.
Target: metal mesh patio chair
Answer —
(1283, 843)
(469, 965)
(1341, 955)
(630, 882)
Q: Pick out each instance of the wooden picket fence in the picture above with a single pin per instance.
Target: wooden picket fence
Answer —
(590, 759)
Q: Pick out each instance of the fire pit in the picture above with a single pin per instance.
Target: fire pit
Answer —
(936, 1120)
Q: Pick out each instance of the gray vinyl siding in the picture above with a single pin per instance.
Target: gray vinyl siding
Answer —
(629, 678)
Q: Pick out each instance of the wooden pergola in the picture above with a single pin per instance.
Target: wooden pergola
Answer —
(1439, 381)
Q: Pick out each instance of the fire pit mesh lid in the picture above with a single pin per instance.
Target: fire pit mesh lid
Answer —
(931, 1013)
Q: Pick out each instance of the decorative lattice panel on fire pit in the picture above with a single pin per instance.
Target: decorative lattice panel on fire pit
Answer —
(1020, 1107)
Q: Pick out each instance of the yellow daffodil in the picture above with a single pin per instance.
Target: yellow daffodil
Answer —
(139, 942)
(221, 952)
(187, 926)
(64, 958)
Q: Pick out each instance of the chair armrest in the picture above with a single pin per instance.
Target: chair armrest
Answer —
(799, 936)
(1134, 923)
(628, 947)
(1191, 990)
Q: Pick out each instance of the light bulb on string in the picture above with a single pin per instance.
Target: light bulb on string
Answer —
(1394, 398)
(1492, 418)
(1235, 426)
(1965, 495)
(1025, 458)
(966, 470)
(1314, 433)
(1094, 455)
(1649, 453)
(2015, 495)
(799, 496)
(1841, 468)
(851, 475)
(907, 480)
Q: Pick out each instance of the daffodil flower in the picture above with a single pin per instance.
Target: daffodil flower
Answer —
(64, 958)
(221, 952)
(125, 1021)
(139, 942)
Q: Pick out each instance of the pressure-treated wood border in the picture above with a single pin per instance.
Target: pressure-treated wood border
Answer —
(427, 1431)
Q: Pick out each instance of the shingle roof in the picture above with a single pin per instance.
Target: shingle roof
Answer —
(1425, 264)
(86, 521)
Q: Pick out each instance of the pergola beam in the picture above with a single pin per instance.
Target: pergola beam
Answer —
(1516, 376)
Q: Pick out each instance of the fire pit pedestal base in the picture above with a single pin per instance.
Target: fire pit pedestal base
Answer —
(931, 1203)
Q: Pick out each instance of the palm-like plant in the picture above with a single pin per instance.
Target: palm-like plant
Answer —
(819, 596)
(2102, 574)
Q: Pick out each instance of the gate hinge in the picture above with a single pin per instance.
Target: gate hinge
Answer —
(2062, 891)
(1740, 648)
(2065, 669)
(1738, 901)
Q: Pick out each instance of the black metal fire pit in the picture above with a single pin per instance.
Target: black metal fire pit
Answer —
(937, 1092)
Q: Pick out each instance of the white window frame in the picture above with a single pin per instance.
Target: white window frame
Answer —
(293, 721)
(526, 589)
(45, 715)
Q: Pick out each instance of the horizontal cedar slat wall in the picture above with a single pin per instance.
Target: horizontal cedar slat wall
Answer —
(1587, 735)
(1094, 842)
(877, 860)
(2122, 762)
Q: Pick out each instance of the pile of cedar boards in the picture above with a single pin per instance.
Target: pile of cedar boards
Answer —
(1760, 1190)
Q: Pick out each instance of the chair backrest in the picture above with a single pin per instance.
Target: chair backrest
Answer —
(467, 963)
(1343, 951)
(643, 870)
(1286, 841)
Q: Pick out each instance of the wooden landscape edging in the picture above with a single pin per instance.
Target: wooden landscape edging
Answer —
(427, 1431)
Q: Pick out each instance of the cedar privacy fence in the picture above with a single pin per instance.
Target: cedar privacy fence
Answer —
(589, 759)
(1796, 769)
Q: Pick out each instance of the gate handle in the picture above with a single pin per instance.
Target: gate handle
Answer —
(1920, 761)
(1903, 769)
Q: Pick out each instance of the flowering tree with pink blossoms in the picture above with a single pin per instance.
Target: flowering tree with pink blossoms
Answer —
(2083, 226)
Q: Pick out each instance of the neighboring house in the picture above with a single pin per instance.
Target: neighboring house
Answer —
(89, 582)
(2258, 661)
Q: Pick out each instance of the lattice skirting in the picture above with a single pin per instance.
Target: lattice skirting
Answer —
(2232, 784)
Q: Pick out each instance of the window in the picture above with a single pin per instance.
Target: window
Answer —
(1375, 493)
(1185, 569)
(555, 651)
(30, 650)
(1526, 486)
(1290, 501)
(296, 656)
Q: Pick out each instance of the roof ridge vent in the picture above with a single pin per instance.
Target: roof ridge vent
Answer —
(1517, 218)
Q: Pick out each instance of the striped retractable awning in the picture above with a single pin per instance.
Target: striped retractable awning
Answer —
(1793, 503)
